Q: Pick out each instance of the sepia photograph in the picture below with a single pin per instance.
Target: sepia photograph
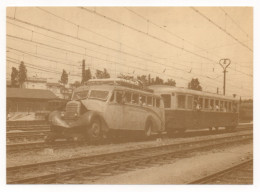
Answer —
(129, 95)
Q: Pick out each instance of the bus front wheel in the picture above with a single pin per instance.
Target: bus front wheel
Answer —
(94, 131)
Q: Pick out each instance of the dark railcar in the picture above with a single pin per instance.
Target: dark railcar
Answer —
(190, 109)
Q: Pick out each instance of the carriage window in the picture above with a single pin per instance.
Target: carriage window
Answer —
(157, 102)
(225, 106)
(128, 97)
(181, 101)
(217, 105)
(119, 97)
(221, 105)
(206, 103)
(142, 100)
(229, 106)
(201, 103)
(149, 101)
(166, 100)
(211, 104)
(234, 105)
(189, 102)
(135, 99)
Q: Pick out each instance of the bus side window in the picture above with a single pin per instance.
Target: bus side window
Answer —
(157, 102)
(112, 97)
(167, 100)
(127, 97)
(189, 102)
(181, 101)
(119, 97)
(135, 98)
(149, 101)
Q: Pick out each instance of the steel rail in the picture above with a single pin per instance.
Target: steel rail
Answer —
(19, 147)
(210, 178)
(69, 168)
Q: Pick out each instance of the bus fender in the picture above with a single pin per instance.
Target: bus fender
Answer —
(87, 118)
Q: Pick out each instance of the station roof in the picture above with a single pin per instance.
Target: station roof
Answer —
(23, 93)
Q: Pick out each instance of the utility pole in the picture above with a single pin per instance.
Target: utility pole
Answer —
(83, 71)
(224, 63)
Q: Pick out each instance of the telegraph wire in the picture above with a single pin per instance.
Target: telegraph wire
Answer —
(235, 23)
(109, 60)
(25, 22)
(153, 72)
(223, 30)
(154, 37)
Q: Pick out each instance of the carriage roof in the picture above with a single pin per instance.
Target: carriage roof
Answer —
(171, 89)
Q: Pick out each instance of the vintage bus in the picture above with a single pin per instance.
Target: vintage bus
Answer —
(190, 109)
(104, 106)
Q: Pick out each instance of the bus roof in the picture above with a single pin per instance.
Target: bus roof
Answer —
(108, 87)
(171, 89)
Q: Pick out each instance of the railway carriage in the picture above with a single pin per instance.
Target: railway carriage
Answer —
(109, 105)
(190, 109)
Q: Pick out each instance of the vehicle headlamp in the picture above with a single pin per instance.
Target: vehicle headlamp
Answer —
(62, 114)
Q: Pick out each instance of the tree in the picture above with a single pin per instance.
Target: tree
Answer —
(195, 84)
(75, 84)
(14, 77)
(86, 76)
(170, 82)
(64, 78)
(143, 79)
(22, 75)
(102, 74)
(127, 77)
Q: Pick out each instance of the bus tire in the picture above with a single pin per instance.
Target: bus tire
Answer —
(94, 131)
(148, 129)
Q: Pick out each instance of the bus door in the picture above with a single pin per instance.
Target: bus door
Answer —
(115, 111)
(133, 112)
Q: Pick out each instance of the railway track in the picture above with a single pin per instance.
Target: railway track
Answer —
(39, 127)
(241, 173)
(24, 136)
(25, 146)
(61, 171)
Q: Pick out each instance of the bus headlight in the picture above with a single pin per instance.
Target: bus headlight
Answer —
(76, 114)
(62, 114)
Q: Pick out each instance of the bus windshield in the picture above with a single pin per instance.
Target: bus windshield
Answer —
(80, 95)
(98, 94)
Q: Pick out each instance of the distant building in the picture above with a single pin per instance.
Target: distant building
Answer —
(55, 88)
(28, 100)
(35, 83)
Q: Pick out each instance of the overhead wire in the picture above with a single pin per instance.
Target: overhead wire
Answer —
(219, 27)
(185, 71)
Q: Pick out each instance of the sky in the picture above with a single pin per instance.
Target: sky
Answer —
(177, 43)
